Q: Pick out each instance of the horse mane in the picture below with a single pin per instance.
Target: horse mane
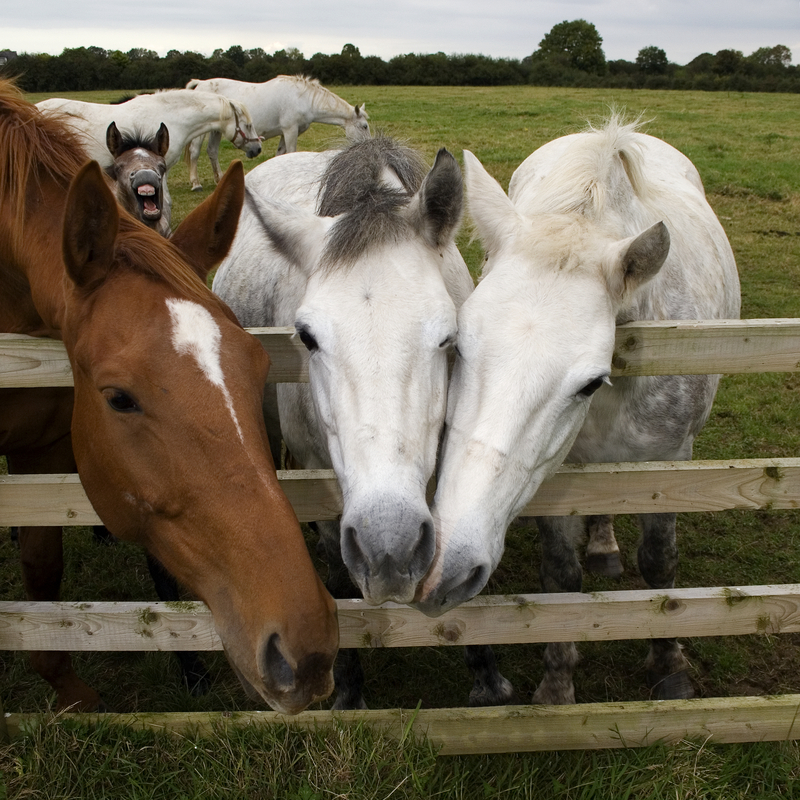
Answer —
(589, 173)
(353, 189)
(144, 251)
(323, 97)
(31, 143)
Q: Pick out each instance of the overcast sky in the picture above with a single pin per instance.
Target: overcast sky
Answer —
(385, 28)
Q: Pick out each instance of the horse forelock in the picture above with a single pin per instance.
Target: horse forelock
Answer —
(141, 250)
(138, 138)
(353, 188)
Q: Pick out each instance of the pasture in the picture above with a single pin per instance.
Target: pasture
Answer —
(747, 150)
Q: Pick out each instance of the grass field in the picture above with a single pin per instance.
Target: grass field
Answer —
(747, 149)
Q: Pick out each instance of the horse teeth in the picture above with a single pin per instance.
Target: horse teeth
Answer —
(146, 189)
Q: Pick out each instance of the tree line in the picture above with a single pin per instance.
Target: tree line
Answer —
(569, 55)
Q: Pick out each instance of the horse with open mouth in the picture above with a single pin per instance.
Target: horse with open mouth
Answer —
(165, 421)
(598, 229)
(138, 174)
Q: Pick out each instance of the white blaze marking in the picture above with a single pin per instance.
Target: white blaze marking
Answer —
(195, 333)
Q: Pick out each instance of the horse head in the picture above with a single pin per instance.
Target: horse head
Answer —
(241, 131)
(379, 280)
(535, 343)
(170, 440)
(356, 127)
(139, 172)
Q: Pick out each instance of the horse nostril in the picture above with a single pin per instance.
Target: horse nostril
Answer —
(276, 667)
(476, 581)
(424, 548)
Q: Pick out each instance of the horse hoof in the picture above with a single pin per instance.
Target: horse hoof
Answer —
(607, 564)
(676, 686)
(503, 694)
(198, 188)
(345, 703)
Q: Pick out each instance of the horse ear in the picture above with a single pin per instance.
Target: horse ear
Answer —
(162, 140)
(638, 259)
(205, 236)
(440, 200)
(91, 221)
(113, 139)
(297, 234)
(494, 215)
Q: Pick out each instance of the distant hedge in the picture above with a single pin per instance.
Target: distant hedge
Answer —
(92, 68)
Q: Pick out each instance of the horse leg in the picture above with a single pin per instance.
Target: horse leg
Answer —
(489, 687)
(560, 571)
(42, 559)
(193, 670)
(667, 667)
(41, 554)
(602, 551)
(348, 675)
(288, 142)
(214, 139)
(193, 151)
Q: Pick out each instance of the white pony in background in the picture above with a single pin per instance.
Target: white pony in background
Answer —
(284, 106)
(598, 229)
(186, 114)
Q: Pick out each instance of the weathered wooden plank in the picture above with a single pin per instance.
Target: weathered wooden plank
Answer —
(624, 488)
(27, 361)
(687, 347)
(513, 619)
(666, 347)
(463, 731)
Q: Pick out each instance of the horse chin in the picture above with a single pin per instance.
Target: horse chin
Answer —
(283, 703)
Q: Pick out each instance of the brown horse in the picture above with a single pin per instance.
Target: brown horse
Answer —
(166, 424)
(139, 175)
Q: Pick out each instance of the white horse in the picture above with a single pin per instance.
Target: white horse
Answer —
(599, 228)
(284, 106)
(355, 249)
(186, 114)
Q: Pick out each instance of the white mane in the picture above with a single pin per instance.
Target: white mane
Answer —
(590, 175)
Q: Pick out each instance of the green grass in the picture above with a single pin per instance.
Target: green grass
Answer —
(747, 148)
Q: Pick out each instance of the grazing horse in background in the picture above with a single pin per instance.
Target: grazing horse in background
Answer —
(186, 114)
(165, 422)
(284, 106)
(355, 249)
(138, 173)
(599, 229)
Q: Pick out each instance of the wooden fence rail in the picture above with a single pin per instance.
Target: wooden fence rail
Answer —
(651, 348)
(671, 347)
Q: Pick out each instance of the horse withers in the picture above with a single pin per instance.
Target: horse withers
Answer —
(355, 250)
(285, 106)
(166, 423)
(599, 228)
(138, 172)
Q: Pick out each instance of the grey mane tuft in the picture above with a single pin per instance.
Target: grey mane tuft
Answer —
(354, 190)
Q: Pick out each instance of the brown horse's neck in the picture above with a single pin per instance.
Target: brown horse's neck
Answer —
(33, 299)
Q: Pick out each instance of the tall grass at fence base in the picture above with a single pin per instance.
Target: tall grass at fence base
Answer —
(65, 759)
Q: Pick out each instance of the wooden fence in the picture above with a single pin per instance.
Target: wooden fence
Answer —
(642, 349)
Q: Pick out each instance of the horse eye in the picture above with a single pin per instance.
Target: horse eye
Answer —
(307, 339)
(121, 401)
(591, 387)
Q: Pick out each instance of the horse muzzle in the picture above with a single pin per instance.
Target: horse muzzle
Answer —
(146, 186)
